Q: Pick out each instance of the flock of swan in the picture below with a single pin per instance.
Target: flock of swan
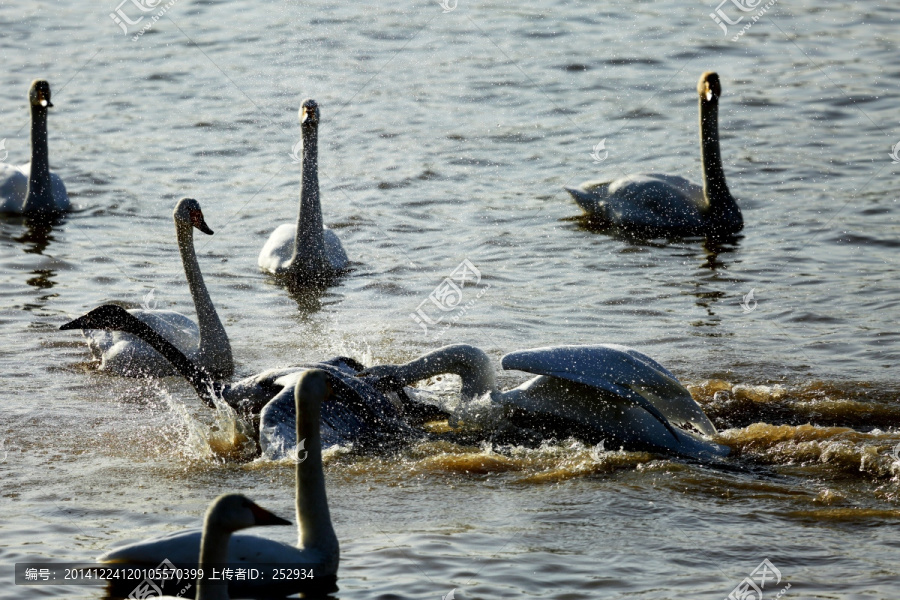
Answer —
(599, 392)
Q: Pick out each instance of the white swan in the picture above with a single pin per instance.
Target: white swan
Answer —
(317, 547)
(206, 345)
(613, 392)
(227, 514)
(32, 189)
(668, 204)
(306, 252)
(356, 413)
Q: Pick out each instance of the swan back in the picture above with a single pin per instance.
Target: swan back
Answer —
(611, 368)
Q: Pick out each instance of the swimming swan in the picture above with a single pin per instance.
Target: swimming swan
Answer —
(317, 547)
(227, 514)
(668, 204)
(607, 392)
(308, 252)
(357, 413)
(32, 189)
(206, 345)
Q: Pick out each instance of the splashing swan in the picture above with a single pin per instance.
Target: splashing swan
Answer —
(613, 392)
(317, 547)
(306, 252)
(356, 414)
(668, 204)
(32, 189)
(207, 344)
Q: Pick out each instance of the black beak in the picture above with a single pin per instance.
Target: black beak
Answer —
(264, 517)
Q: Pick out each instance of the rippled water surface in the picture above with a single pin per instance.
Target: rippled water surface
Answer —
(448, 135)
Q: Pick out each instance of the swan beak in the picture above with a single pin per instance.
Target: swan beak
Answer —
(264, 517)
(199, 222)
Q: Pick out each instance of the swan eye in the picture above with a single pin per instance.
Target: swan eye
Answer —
(196, 218)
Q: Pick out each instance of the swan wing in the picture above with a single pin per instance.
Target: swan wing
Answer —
(655, 201)
(125, 354)
(13, 188)
(334, 251)
(611, 368)
(59, 193)
(276, 254)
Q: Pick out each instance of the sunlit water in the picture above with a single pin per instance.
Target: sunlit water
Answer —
(448, 136)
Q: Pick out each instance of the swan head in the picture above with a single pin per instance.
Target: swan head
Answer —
(39, 94)
(188, 211)
(107, 316)
(309, 113)
(709, 87)
(233, 512)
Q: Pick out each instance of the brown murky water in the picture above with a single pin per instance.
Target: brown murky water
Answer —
(448, 136)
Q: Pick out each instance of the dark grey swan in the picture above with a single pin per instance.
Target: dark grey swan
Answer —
(31, 189)
(306, 252)
(358, 413)
(669, 205)
(603, 392)
(204, 343)
(317, 545)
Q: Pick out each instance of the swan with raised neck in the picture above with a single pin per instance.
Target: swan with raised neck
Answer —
(204, 342)
(660, 204)
(307, 253)
(31, 189)
(226, 515)
(317, 549)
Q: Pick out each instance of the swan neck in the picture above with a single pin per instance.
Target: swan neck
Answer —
(40, 196)
(213, 553)
(214, 349)
(471, 364)
(309, 242)
(315, 530)
(714, 186)
(195, 376)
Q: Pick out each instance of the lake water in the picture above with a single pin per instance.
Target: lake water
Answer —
(447, 135)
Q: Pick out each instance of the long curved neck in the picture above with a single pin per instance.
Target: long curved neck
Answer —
(309, 241)
(315, 530)
(199, 379)
(471, 364)
(213, 553)
(214, 349)
(714, 187)
(40, 196)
